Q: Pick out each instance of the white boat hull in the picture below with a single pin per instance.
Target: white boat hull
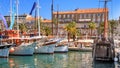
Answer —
(49, 49)
(4, 53)
(61, 49)
(4, 50)
(23, 50)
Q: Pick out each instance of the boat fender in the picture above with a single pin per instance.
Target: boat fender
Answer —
(36, 47)
(115, 59)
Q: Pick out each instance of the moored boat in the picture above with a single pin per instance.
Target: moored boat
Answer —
(61, 49)
(47, 48)
(4, 50)
(23, 49)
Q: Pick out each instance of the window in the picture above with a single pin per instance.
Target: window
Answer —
(68, 16)
(89, 15)
(55, 16)
(80, 16)
(72, 15)
(59, 16)
(84, 15)
(64, 16)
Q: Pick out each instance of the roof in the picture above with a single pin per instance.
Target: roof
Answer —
(93, 10)
(46, 21)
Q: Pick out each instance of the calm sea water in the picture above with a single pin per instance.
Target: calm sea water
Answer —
(57, 60)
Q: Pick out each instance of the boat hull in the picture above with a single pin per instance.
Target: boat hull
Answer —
(24, 50)
(4, 51)
(61, 49)
(48, 49)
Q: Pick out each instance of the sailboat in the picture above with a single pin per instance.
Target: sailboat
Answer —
(43, 46)
(60, 47)
(4, 48)
(22, 47)
(103, 49)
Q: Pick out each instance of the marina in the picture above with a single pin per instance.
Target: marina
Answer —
(76, 38)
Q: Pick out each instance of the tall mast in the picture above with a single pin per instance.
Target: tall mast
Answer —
(17, 16)
(52, 15)
(38, 17)
(105, 20)
(10, 11)
(57, 19)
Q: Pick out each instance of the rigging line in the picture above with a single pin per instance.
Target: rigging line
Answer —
(111, 9)
(99, 4)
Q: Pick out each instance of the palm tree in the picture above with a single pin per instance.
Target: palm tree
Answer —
(47, 30)
(112, 26)
(23, 27)
(55, 22)
(92, 26)
(101, 28)
(71, 29)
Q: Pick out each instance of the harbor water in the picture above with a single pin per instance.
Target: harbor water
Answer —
(57, 60)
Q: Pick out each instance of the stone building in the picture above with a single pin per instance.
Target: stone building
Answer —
(82, 17)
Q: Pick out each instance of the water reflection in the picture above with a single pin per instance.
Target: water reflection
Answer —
(43, 61)
(57, 60)
(80, 60)
(21, 62)
(103, 64)
(4, 63)
(61, 60)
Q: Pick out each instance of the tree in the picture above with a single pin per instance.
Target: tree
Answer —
(101, 28)
(47, 30)
(71, 29)
(92, 26)
(55, 22)
(22, 27)
(112, 26)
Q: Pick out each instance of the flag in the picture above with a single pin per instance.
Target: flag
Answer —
(34, 6)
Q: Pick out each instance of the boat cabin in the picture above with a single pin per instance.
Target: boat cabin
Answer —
(103, 51)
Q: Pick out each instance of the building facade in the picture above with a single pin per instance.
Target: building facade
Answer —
(82, 17)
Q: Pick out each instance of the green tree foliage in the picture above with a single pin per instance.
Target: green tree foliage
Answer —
(22, 27)
(71, 29)
(112, 26)
(92, 26)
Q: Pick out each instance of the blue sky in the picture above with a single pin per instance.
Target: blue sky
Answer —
(64, 5)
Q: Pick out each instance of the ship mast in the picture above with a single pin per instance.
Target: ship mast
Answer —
(10, 11)
(17, 17)
(105, 19)
(52, 15)
(38, 16)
